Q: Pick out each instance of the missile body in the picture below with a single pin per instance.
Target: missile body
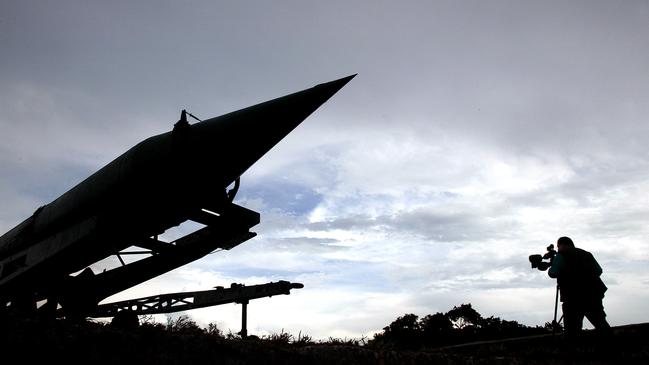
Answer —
(159, 183)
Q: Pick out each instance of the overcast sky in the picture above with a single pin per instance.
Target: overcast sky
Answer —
(475, 134)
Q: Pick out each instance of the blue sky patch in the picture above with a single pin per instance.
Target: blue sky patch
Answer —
(286, 196)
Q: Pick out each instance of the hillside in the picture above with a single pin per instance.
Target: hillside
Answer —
(35, 341)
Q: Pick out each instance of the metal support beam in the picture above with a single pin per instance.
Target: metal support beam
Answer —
(244, 319)
(176, 302)
(230, 229)
(155, 245)
(120, 259)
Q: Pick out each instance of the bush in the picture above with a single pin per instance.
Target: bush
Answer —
(461, 324)
(185, 325)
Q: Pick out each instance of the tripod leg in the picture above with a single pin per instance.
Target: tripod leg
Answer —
(555, 324)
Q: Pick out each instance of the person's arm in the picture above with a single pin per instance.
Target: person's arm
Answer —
(557, 266)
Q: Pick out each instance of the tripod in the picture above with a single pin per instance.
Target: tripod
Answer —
(555, 324)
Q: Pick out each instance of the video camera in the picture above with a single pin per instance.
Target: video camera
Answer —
(537, 260)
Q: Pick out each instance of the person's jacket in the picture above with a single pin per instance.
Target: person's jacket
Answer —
(578, 275)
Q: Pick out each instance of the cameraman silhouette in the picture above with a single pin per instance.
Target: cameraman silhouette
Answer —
(577, 273)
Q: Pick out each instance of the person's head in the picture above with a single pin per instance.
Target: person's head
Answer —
(564, 243)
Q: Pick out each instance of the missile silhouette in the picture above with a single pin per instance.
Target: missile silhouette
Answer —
(157, 184)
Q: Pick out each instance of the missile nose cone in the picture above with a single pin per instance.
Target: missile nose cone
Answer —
(336, 85)
(305, 102)
(244, 136)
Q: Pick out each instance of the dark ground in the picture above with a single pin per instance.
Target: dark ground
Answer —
(31, 341)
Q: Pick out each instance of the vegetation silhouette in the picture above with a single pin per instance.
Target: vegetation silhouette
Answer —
(462, 324)
(182, 341)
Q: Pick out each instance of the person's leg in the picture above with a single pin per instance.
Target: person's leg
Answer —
(597, 317)
(573, 319)
(604, 338)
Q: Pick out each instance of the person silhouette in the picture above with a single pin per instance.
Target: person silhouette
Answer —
(578, 276)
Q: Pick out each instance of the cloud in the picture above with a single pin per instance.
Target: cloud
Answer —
(431, 225)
